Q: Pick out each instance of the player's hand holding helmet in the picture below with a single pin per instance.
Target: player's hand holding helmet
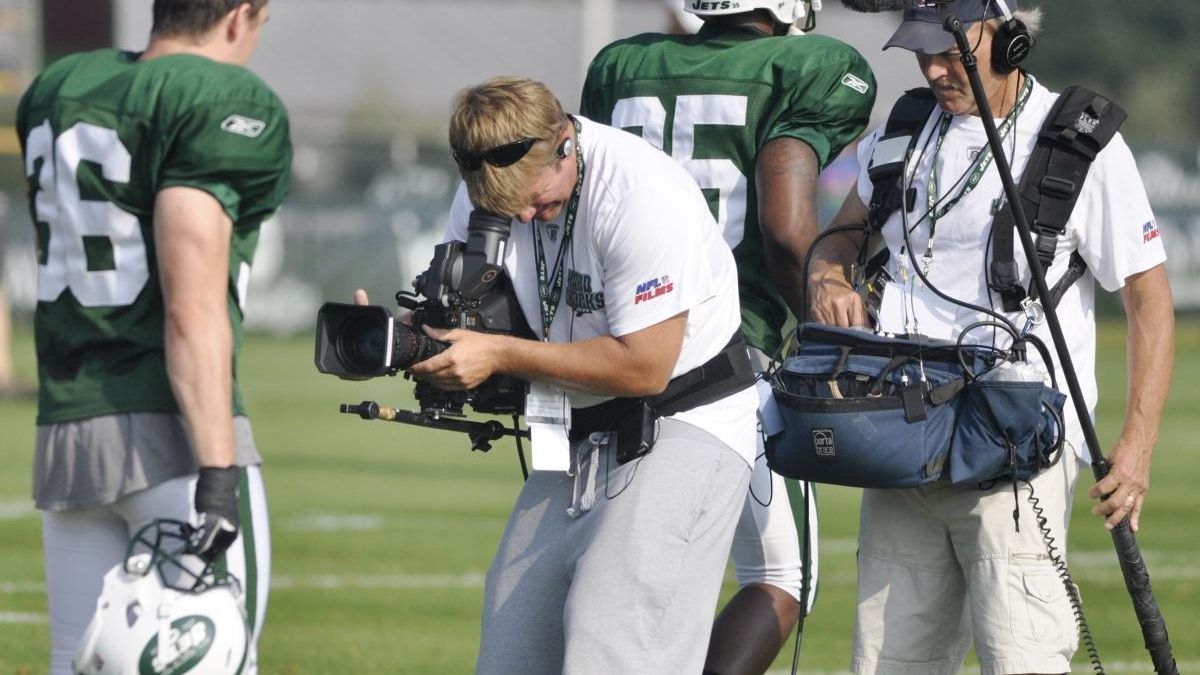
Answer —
(165, 611)
(217, 511)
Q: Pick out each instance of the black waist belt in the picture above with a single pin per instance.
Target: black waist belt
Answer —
(728, 372)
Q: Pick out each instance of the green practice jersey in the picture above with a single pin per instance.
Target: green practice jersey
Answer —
(713, 99)
(102, 134)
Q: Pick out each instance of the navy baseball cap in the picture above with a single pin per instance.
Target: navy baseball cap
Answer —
(921, 28)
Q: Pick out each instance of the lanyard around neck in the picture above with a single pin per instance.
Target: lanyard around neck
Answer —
(982, 161)
(550, 280)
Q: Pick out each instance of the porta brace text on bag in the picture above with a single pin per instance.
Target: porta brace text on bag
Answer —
(865, 410)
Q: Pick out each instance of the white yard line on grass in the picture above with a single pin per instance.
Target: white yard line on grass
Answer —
(392, 581)
(16, 587)
(17, 509)
(327, 522)
(22, 617)
(1090, 566)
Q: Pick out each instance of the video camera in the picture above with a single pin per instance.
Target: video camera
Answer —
(465, 287)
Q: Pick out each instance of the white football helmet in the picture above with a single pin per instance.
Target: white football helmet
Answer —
(165, 611)
(787, 12)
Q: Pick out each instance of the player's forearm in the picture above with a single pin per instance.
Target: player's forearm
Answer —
(199, 353)
(787, 273)
(192, 234)
(786, 177)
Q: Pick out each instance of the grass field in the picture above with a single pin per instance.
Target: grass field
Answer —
(382, 533)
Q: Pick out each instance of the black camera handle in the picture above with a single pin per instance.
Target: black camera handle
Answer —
(480, 433)
(1133, 566)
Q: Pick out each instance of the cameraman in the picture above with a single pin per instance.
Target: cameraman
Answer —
(605, 567)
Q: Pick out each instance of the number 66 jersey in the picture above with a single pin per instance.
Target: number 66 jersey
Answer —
(102, 133)
(711, 101)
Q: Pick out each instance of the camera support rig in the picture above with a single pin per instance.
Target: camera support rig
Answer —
(481, 433)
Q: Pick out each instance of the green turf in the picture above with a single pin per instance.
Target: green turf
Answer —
(394, 587)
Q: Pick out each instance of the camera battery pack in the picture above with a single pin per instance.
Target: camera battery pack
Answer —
(635, 433)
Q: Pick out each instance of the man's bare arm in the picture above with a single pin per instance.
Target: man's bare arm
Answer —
(1150, 357)
(786, 177)
(192, 234)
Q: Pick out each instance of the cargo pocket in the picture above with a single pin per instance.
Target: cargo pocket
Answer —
(1041, 608)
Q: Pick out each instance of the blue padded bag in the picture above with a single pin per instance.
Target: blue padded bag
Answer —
(865, 410)
(1000, 423)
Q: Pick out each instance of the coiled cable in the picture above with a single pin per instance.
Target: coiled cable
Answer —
(1060, 566)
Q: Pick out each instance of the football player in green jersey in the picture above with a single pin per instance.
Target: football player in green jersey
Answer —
(149, 175)
(754, 112)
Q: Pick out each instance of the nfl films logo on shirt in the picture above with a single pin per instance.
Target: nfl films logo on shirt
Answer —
(1149, 232)
(243, 126)
(823, 445)
(648, 290)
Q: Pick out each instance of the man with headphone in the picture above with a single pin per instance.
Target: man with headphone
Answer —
(940, 565)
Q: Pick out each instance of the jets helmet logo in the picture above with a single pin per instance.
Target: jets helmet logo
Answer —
(188, 640)
(243, 126)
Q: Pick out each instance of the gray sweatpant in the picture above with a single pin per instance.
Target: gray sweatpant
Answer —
(615, 568)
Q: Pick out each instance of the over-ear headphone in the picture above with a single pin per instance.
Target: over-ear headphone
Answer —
(565, 148)
(1011, 42)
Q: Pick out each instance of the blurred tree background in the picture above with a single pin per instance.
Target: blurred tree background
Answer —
(1140, 54)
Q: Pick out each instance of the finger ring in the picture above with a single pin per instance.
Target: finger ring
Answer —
(1130, 498)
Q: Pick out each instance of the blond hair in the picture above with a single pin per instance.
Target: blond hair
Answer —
(499, 111)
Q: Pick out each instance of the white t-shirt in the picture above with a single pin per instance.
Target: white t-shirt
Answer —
(645, 247)
(1112, 227)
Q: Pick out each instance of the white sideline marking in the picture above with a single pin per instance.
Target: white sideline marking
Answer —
(365, 522)
(1090, 566)
(17, 510)
(386, 581)
(356, 522)
(16, 587)
(23, 617)
(283, 582)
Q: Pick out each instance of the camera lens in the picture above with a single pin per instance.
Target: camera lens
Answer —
(413, 346)
(362, 344)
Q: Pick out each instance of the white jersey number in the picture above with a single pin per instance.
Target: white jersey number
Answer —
(71, 218)
(722, 175)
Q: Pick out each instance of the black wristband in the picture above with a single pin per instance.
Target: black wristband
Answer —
(216, 492)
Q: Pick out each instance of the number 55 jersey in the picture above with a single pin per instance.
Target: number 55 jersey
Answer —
(102, 133)
(711, 101)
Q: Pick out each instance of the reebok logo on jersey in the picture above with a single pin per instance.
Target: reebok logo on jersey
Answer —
(855, 83)
(243, 126)
(1149, 232)
(649, 290)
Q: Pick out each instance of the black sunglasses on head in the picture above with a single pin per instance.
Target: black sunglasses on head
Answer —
(499, 156)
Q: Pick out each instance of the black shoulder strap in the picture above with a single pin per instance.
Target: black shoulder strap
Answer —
(1078, 127)
(886, 166)
(726, 373)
